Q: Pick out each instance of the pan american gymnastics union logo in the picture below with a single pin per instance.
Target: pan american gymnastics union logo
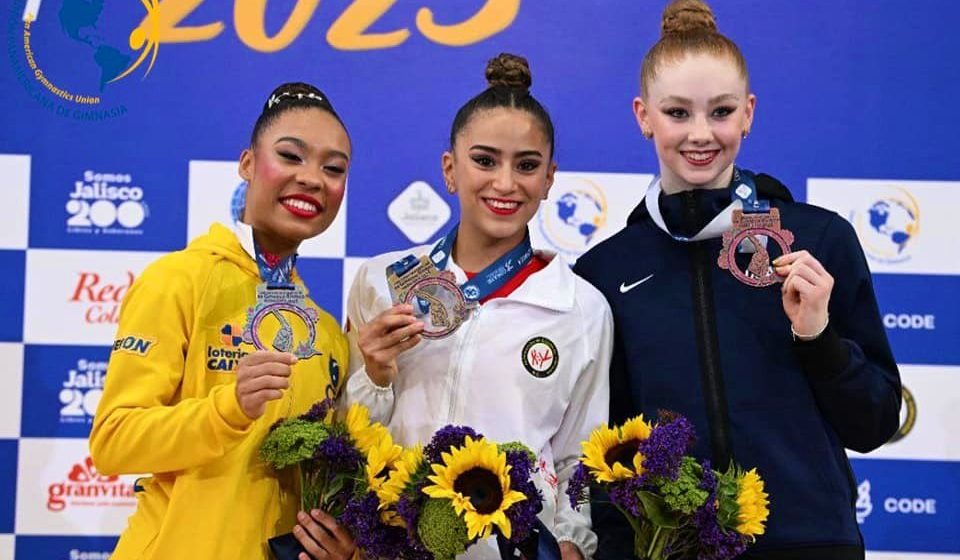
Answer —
(888, 228)
(572, 221)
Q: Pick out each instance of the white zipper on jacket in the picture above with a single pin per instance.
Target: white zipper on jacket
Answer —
(455, 382)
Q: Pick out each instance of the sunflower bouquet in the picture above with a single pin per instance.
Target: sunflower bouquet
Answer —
(677, 507)
(437, 501)
(329, 455)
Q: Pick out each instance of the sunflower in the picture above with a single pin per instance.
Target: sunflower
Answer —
(397, 480)
(365, 434)
(753, 503)
(475, 478)
(610, 452)
(381, 460)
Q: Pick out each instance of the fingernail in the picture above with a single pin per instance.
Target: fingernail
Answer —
(302, 516)
(297, 529)
(315, 513)
(776, 261)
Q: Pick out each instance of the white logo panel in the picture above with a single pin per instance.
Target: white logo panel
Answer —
(60, 492)
(585, 208)
(419, 212)
(11, 378)
(928, 416)
(211, 188)
(15, 186)
(73, 297)
(904, 227)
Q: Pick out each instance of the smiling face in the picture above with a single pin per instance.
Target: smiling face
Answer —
(297, 173)
(697, 109)
(501, 169)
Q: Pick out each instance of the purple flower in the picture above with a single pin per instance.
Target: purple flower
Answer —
(318, 412)
(377, 539)
(445, 438)
(577, 485)
(716, 543)
(664, 449)
(339, 453)
(523, 515)
(625, 495)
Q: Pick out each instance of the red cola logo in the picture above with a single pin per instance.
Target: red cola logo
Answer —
(102, 295)
(86, 487)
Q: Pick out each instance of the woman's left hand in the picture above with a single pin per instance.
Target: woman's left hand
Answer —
(806, 291)
(323, 537)
(569, 551)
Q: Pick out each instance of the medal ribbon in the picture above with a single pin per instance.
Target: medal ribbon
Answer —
(743, 196)
(276, 272)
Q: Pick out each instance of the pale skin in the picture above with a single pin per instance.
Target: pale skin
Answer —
(501, 159)
(297, 175)
(697, 111)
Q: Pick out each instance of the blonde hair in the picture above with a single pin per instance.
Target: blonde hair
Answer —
(688, 27)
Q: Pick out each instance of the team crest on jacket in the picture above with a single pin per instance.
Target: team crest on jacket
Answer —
(540, 357)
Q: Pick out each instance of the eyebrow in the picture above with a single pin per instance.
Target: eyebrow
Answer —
(497, 151)
(303, 146)
(717, 99)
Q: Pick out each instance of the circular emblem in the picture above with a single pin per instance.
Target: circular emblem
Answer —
(758, 272)
(440, 303)
(909, 416)
(282, 305)
(540, 357)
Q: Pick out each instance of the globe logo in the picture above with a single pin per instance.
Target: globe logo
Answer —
(889, 226)
(572, 221)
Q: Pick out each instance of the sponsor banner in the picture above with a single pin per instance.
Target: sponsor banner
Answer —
(211, 188)
(130, 206)
(65, 548)
(350, 267)
(11, 377)
(60, 491)
(8, 485)
(15, 186)
(921, 315)
(419, 212)
(11, 286)
(74, 297)
(905, 227)
(64, 385)
(585, 208)
(908, 505)
(6, 546)
(323, 278)
(928, 416)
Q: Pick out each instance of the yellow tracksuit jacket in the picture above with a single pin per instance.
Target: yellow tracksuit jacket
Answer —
(169, 408)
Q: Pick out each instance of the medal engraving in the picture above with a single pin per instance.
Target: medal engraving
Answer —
(283, 304)
(753, 230)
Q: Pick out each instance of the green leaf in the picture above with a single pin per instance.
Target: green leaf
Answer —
(657, 511)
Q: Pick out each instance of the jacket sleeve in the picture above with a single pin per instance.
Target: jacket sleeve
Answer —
(360, 388)
(141, 426)
(589, 407)
(851, 367)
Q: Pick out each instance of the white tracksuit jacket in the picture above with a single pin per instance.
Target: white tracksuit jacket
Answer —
(477, 377)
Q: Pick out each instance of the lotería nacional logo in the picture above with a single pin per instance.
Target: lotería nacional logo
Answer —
(572, 221)
(908, 416)
(101, 296)
(864, 504)
(106, 203)
(85, 487)
(888, 226)
(419, 212)
(81, 391)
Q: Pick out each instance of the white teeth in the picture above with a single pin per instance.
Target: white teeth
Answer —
(300, 205)
(699, 156)
(502, 204)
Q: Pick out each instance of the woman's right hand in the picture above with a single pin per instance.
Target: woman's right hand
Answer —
(389, 334)
(262, 377)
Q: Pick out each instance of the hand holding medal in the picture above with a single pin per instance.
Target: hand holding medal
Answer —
(388, 335)
(262, 377)
(806, 293)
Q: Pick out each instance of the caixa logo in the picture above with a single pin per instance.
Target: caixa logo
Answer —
(106, 203)
(84, 486)
(101, 296)
(81, 391)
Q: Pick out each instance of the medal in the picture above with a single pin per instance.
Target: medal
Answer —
(437, 299)
(749, 234)
(282, 301)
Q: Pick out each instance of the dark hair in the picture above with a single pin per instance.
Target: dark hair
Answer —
(688, 27)
(509, 82)
(289, 96)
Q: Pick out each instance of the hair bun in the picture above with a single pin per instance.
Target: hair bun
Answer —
(509, 70)
(687, 16)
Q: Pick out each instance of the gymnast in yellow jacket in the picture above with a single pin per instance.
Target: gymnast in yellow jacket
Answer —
(187, 400)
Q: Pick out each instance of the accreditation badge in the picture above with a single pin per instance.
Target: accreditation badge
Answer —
(436, 297)
(748, 238)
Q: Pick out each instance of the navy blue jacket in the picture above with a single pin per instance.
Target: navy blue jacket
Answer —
(695, 340)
